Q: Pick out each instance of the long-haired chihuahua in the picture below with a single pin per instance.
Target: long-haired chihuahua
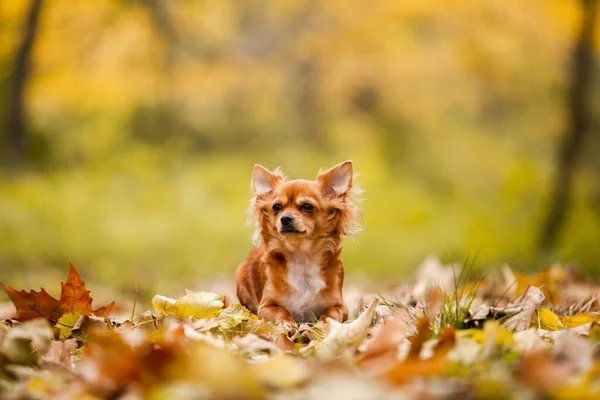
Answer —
(294, 273)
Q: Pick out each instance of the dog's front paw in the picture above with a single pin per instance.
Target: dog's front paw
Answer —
(291, 327)
(336, 313)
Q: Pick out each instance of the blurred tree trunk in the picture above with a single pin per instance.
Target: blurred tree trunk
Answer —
(162, 23)
(15, 133)
(306, 79)
(579, 109)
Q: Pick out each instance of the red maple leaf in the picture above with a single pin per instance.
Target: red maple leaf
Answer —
(73, 298)
(33, 304)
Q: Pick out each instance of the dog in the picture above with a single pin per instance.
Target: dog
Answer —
(294, 273)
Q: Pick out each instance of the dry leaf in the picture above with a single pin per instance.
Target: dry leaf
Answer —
(381, 349)
(527, 303)
(26, 342)
(73, 298)
(192, 304)
(345, 336)
(60, 352)
(543, 372)
(282, 372)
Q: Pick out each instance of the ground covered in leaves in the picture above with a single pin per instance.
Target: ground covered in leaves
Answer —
(443, 334)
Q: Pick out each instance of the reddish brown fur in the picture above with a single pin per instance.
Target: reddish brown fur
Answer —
(263, 284)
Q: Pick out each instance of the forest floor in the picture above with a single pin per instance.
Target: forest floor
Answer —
(444, 333)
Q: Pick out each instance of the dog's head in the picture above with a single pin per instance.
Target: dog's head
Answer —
(303, 209)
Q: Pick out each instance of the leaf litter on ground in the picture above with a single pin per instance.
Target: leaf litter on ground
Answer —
(444, 333)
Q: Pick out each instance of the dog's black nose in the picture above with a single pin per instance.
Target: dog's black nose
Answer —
(287, 219)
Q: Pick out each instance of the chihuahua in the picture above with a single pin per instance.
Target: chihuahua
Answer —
(294, 273)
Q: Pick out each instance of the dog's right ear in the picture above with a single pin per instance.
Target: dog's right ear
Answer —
(264, 181)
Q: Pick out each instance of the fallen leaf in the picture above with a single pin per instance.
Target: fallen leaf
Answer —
(225, 374)
(579, 319)
(282, 372)
(494, 338)
(60, 352)
(73, 298)
(548, 320)
(422, 335)
(26, 342)
(530, 340)
(479, 311)
(252, 345)
(547, 280)
(594, 332)
(111, 364)
(31, 305)
(284, 343)
(576, 349)
(382, 348)
(345, 336)
(527, 303)
(445, 343)
(412, 368)
(66, 323)
(233, 316)
(192, 304)
(583, 330)
(543, 372)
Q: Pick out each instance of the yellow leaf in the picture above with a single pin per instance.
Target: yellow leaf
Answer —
(234, 315)
(66, 323)
(594, 334)
(547, 281)
(492, 330)
(193, 304)
(579, 319)
(282, 372)
(548, 320)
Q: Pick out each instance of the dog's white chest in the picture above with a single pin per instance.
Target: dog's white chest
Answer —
(305, 283)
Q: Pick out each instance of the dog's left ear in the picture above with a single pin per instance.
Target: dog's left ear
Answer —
(264, 181)
(337, 181)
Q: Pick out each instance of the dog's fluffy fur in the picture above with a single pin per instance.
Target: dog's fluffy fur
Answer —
(294, 273)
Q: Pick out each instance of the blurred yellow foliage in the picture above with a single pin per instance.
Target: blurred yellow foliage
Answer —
(148, 116)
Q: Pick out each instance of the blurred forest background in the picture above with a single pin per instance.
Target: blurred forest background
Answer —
(130, 129)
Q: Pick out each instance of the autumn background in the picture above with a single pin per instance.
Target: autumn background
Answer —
(130, 128)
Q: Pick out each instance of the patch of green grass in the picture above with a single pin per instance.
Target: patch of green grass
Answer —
(165, 222)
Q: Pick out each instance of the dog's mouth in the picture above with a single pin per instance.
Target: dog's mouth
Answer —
(290, 231)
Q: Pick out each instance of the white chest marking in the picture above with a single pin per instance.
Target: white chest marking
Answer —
(305, 283)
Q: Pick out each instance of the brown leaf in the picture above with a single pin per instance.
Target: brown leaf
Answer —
(73, 298)
(104, 311)
(446, 342)
(31, 305)
(284, 343)
(435, 301)
(422, 335)
(383, 345)
(543, 372)
(60, 352)
(112, 363)
(413, 366)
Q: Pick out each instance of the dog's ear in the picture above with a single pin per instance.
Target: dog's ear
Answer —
(264, 181)
(337, 181)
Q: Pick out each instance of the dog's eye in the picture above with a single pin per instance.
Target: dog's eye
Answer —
(307, 207)
(277, 207)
